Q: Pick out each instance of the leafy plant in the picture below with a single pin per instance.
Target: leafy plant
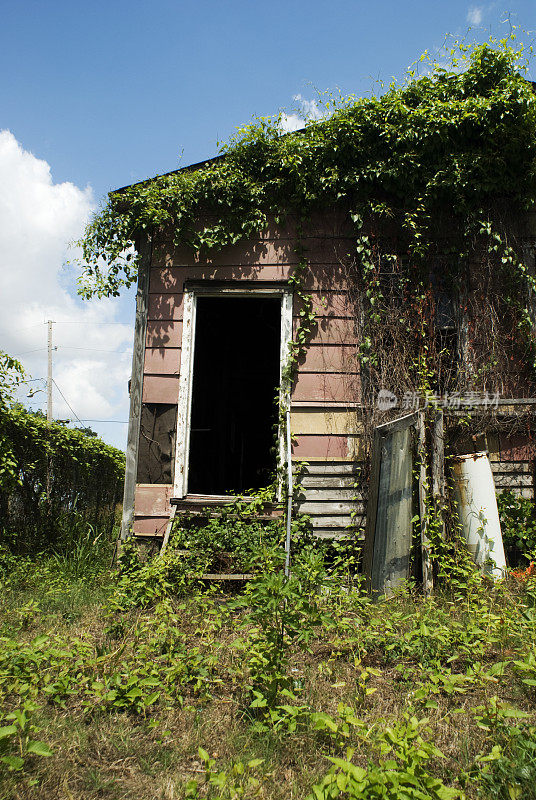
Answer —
(16, 744)
(400, 772)
(64, 478)
(518, 524)
(282, 611)
(237, 781)
(509, 771)
(134, 692)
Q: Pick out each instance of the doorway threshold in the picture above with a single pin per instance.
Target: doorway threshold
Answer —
(199, 503)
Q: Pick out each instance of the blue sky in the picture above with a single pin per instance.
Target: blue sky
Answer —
(107, 93)
(110, 92)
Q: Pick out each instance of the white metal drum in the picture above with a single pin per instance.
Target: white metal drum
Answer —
(477, 509)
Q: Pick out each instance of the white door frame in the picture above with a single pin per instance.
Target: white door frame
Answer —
(184, 411)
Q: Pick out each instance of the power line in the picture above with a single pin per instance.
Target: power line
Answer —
(28, 327)
(67, 402)
(37, 350)
(115, 421)
(94, 350)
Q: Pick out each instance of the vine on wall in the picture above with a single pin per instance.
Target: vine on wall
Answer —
(451, 139)
(436, 176)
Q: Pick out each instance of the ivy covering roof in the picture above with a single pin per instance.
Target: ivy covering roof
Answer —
(458, 139)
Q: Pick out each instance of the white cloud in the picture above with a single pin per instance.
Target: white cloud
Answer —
(309, 108)
(475, 15)
(38, 219)
(306, 111)
(291, 122)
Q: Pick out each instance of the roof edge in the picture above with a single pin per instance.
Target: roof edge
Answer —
(190, 167)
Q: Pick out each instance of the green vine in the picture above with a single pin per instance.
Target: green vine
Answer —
(306, 315)
(435, 177)
(454, 139)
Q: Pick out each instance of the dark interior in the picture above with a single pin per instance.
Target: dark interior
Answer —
(234, 408)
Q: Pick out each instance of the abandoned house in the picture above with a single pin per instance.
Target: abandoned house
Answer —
(215, 326)
(214, 336)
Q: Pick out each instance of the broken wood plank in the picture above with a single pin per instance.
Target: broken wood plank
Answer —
(342, 521)
(330, 495)
(353, 535)
(504, 467)
(309, 482)
(328, 508)
(511, 480)
(169, 528)
(331, 468)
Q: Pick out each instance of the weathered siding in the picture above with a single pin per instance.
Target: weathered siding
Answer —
(513, 460)
(330, 494)
(327, 375)
(326, 393)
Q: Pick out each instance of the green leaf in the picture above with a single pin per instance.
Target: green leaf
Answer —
(203, 755)
(8, 730)
(39, 749)
(14, 763)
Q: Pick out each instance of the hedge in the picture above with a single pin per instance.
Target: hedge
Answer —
(48, 474)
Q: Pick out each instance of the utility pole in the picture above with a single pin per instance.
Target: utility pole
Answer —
(49, 375)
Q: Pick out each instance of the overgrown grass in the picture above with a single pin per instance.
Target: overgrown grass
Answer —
(286, 690)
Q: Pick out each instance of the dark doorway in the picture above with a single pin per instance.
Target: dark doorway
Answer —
(234, 408)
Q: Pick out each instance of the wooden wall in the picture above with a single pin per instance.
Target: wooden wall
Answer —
(326, 395)
(513, 459)
(326, 392)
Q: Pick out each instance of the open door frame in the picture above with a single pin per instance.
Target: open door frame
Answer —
(184, 411)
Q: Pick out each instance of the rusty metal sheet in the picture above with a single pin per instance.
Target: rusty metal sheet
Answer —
(152, 500)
